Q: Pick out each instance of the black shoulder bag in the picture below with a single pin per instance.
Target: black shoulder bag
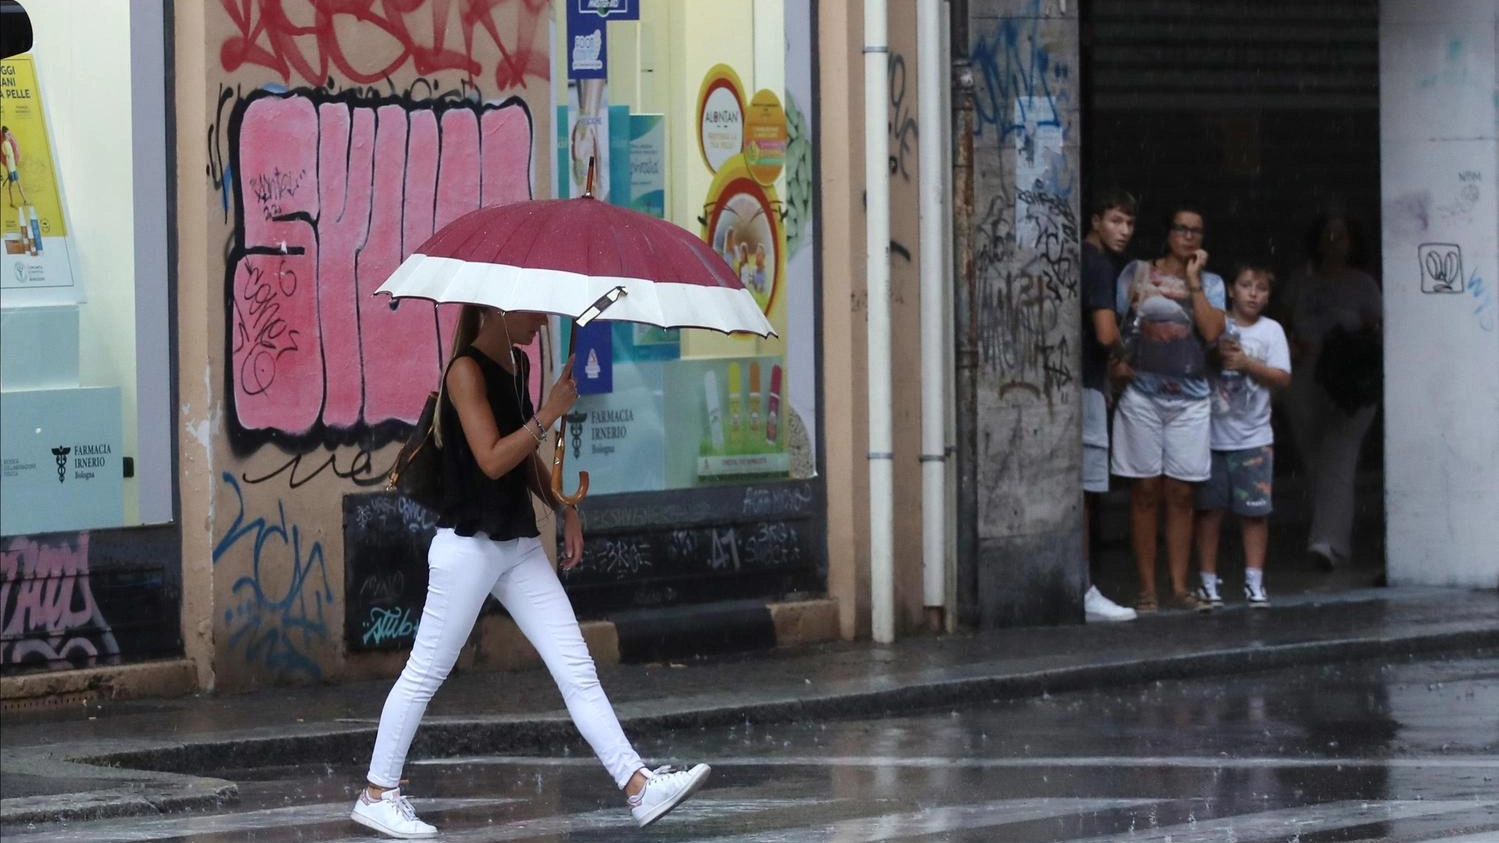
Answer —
(417, 473)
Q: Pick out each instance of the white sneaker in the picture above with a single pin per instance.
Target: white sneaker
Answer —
(1207, 592)
(1256, 596)
(391, 814)
(1100, 609)
(666, 788)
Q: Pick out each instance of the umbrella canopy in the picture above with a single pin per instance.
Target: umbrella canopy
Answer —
(560, 255)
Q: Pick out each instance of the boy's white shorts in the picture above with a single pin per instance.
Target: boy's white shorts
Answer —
(1154, 437)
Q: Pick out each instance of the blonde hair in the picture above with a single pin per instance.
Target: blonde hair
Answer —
(469, 319)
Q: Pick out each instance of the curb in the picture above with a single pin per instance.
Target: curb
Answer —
(512, 735)
(139, 792)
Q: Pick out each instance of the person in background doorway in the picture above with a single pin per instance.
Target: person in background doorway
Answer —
(1172, 309)
(1255, 361)
(1335, 325)
(1112, 224)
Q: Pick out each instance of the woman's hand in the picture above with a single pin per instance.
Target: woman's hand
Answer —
(572, 538)
(1195, 263)
(563, 395)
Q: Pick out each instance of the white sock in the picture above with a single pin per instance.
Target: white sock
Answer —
(1254, 578)
(1210, 580)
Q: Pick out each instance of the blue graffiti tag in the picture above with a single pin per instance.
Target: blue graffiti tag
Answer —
(1013, 68)
(276, 631)
(1486, 310)
(387, 625)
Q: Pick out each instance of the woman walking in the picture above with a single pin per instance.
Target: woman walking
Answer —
(487, 543)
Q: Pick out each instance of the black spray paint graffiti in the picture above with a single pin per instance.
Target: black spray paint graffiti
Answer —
(1441, 267)
(1026, 291)
(902, 126)
(359, 469)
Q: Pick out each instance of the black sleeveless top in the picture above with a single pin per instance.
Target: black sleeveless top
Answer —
(470, 501)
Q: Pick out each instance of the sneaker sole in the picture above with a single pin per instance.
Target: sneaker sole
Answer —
(1092, 618)
(665, 807)
(390, 832)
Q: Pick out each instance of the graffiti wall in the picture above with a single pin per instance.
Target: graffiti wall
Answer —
(1027, 242)
(73, 600)
(338, 137)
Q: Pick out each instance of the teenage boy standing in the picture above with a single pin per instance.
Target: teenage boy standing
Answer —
(1113, 224)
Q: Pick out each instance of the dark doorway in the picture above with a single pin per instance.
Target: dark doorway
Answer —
(1265, 115)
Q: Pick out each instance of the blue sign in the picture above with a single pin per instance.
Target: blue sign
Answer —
(593, 359)
(587, 43)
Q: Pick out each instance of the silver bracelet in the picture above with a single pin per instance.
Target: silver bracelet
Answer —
(534, 433)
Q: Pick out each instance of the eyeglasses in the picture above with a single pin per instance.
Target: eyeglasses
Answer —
(1186, 231)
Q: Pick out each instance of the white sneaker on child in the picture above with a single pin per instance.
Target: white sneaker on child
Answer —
(1255, 594)
(1100, 609)
(1207, 592)
(665, 788)
(391, 814)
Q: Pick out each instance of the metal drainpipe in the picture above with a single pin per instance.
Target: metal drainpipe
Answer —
(965, 322)
(877, 255)
(936, 321)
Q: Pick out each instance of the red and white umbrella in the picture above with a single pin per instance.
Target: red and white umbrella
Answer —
(561, 255)
(574, 258)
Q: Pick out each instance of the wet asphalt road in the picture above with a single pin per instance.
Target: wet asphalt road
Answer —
(1403, 752)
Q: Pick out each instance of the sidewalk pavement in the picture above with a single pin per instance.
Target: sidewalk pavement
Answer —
(149, 756)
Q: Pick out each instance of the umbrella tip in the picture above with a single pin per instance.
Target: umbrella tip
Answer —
(588, 187)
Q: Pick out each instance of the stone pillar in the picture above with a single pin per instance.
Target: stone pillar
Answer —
(1439, 144)
(1026, 238)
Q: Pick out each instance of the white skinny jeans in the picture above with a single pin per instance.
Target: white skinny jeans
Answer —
(462, 572)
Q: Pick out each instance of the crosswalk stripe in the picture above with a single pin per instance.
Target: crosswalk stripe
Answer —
(125, 830)
(1289, 823)
(894, 761)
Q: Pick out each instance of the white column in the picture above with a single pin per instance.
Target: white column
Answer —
(1439, 147)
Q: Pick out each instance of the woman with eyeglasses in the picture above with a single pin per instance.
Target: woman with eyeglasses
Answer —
(1172, 310)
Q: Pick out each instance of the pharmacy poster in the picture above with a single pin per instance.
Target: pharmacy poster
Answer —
(60, 460)
(618, 437)
(38, 267)
(731, 407)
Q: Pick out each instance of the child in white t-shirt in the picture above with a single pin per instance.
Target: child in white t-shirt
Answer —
(1255, 361)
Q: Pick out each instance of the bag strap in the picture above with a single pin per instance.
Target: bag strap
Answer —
(442, 391)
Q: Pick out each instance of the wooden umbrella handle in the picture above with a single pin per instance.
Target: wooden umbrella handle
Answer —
(559, 452)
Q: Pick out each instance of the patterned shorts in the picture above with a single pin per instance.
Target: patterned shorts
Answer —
(1240, 482)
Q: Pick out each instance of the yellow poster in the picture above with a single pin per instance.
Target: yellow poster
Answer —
(37, 266)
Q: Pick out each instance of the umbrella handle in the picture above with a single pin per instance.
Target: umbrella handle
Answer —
(559, 451)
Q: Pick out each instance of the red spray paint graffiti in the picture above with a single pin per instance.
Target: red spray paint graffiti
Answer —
(331, 193)
(367, 42)
(47, 608)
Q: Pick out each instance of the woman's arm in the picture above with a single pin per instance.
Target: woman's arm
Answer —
(1207, 316)
(497, 455)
